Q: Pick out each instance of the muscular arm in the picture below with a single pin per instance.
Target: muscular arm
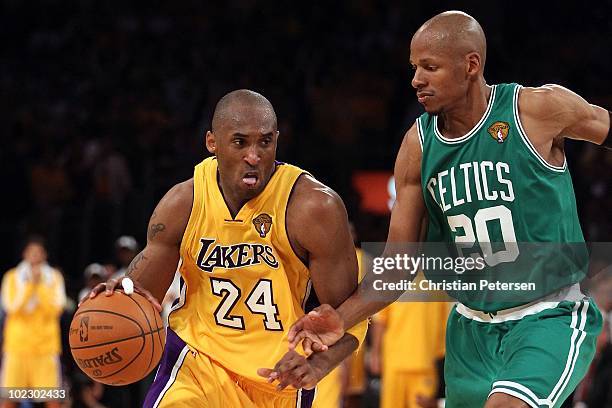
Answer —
(318, 229)
(154, 267)
(152, 270)
(551, 112)
(405, 226)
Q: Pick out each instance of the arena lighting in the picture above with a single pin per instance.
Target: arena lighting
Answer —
(376, 189)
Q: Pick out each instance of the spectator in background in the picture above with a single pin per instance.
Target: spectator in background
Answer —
(407, 340)
(126, 248)
(33, 298)
(94, 274)
(86, 393)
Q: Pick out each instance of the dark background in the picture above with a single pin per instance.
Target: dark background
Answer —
(104, 104)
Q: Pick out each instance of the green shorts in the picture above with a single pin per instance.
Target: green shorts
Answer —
(538, 355)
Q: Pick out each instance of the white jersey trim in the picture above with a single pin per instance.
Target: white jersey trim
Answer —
(173, 375)
(419, 132)
(474, 130)
(523, 134)
(571, 293)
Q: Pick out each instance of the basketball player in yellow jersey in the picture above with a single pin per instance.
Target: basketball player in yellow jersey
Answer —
(407, 339)
(255, 237)
(344, 384)
(33, 298)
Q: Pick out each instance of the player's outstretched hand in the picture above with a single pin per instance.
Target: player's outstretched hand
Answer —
(293, 369)
(319, 329)
(128, 286)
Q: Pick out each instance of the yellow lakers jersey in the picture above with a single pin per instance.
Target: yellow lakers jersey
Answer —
(31, 305)
(419, 327)
(243, 285)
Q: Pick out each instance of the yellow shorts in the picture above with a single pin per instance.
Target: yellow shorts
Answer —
(188, 379)
(329, 390)
(30, 371)
(400, 389)
(357, 374)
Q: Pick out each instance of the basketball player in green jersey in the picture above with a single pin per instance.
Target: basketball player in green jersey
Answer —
(484, 155)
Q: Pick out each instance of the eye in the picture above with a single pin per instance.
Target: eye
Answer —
(266, 142)
(238, 142)
(431, 68)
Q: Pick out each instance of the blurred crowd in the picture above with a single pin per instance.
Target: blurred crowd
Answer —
(105, 104)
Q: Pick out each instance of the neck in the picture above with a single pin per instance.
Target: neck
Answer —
(233, 201)
(459, 119)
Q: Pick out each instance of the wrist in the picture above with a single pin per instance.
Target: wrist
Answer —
(343, 318)
(319, 366)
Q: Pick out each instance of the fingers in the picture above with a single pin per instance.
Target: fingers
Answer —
(99, 288)
(307, 346)
(291, 369)
(293, 377)
(154, 302)
(294, 330)
(297, 338)
(308, 382)
(149, 297)
(318, 347)
(264, 372)
(111, 284)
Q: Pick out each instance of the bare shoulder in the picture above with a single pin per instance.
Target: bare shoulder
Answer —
(408, 163)
(552, 102)
(172, 213)
(179, 197)
(317, 221)
(314, 199)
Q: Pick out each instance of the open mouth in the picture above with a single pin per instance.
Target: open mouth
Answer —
(250, 179)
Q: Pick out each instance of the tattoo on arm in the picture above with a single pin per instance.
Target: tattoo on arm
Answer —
(154, 229)
(134, 264)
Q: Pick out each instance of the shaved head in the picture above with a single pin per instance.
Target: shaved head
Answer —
(454, 32)
(231, 106)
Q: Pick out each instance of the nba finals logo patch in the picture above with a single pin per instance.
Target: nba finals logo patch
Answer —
(499, 131)
(263, 224)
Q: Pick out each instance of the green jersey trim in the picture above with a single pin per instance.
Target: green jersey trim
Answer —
(419, 132)
(523, 134)
(474, 130)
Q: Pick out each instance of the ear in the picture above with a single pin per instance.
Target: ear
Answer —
(473, 63)
(211, 143)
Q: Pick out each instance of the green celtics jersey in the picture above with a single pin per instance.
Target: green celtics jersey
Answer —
(489, 194)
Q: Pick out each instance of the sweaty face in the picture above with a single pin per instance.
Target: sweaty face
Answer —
(440, 77)
(246, 150)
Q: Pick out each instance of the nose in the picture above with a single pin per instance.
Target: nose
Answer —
(418, 80)
(252, 156)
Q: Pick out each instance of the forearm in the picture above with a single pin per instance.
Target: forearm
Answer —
(368, 300)
(153, 269)
(330, 359)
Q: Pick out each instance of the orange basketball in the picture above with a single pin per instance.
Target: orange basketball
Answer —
(117, 339)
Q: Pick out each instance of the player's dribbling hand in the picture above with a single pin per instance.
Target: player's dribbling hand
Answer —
(293, 369)
(319, 329)
(110, 285)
